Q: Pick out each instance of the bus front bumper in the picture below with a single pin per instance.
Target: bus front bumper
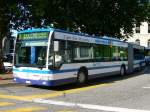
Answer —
(44, 82)
(34, 82)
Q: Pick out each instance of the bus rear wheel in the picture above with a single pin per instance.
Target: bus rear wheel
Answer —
(122, 71)
(82, 77)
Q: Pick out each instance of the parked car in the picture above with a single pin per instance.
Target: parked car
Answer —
(7, 61)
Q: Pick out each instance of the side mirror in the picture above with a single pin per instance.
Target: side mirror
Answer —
(56, 46)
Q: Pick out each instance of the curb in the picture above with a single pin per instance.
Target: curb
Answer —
(6, 77)
(8, 84)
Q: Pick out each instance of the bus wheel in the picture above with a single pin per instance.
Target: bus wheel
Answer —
(82, 77)
(122, 71)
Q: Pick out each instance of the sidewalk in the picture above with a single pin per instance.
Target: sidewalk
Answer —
(6, 79)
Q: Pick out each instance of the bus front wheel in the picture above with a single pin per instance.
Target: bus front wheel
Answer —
(82, 77)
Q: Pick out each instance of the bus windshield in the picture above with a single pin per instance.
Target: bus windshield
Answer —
(30, 55)
(31, 52)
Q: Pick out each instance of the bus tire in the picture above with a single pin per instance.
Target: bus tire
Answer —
(122, 70)
(82, 76)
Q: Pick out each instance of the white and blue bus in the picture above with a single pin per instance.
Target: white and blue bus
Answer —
(52, 57)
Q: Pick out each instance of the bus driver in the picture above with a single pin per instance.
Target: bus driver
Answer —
(58, 60)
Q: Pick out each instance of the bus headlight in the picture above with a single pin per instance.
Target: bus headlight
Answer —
(15, 75)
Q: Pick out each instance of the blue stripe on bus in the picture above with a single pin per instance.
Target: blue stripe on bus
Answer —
(59, 71)
(36, 30)
(44, 72)
(33, 40)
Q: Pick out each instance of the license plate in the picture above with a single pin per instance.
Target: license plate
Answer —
(28, 82)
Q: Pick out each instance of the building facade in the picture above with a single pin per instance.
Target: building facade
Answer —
(141, 35)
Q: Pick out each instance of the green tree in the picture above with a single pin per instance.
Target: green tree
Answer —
(6, 7)
(14, 14)
(99, 17)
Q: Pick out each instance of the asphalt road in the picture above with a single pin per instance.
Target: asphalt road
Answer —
(130, 93)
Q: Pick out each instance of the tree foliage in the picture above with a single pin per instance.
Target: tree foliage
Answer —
(6, 7)
(99, 17)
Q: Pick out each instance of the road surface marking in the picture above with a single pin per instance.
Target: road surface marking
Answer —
(146, 87)
(25, 109)
(51, 95)
(62, 93)
(67, 111)
(5, 104)
(3, 96)
(88, 106)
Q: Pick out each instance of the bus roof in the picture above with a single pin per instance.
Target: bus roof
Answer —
(31, 30)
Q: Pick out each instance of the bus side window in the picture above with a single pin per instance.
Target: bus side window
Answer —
(106, 53)
(66, 51)
(123, 54)
(98, 52)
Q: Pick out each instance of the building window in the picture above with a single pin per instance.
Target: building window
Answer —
(149, 28)
(137, 29)
(137, 41)
(148, 43)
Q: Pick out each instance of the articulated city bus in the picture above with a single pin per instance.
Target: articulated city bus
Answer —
(52, 57)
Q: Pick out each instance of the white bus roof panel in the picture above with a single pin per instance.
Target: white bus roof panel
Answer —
(88, 39)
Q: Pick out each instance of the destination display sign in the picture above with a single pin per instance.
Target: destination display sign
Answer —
(33, 36)
(37, 43)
